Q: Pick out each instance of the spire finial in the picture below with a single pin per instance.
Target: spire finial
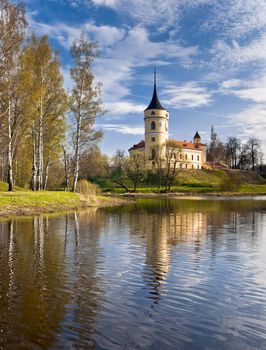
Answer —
(154, 76)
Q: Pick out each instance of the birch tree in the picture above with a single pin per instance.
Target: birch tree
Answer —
(47, 106)
(12, 26)
(84, 101)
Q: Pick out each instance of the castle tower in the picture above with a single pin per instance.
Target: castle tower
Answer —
(197, 138)
(156, 127)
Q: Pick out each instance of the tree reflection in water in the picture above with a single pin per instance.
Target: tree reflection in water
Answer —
(135, 276)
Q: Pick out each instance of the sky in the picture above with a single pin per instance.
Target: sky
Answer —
(210, 57)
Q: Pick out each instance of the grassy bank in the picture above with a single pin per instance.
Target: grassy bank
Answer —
(206, 182)
(21, 202)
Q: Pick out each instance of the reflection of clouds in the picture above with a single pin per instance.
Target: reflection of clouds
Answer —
(256, 246)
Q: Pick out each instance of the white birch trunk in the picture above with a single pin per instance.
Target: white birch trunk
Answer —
(46, 173)
(9, 151)
(40, 149)
(67, 170)
(77, 150)
(34, 163)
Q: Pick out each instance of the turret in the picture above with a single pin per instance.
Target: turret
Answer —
(197, 138)
(156, 127)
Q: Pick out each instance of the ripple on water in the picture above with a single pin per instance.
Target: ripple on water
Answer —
(182, 275)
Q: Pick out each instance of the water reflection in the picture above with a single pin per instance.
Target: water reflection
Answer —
(157, 274)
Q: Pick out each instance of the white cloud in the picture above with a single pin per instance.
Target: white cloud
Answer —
(123, 129)
(253, 90)
(251, 122)
(108, 3)
(123, 51)
(118, 108)
(189, 95)
(235, 19)
(236, 55)
(158, 13)
(65, 34)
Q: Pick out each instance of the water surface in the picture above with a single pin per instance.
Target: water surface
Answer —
(159, 274)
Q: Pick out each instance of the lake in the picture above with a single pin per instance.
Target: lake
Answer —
(157, 274)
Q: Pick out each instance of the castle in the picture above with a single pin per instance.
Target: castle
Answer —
(191, 154)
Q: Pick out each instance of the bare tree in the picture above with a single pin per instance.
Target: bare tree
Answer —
(233, 147)
(254, 152)
(169, 165)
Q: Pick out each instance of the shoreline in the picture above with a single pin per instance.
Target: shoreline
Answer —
(7, 211)
(109, 200)
(191, 195)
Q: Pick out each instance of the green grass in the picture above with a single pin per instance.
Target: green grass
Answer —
(252, 188)
(42, 198)
(207, 181)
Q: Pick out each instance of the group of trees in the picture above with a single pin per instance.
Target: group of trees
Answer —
(34, 106)
(235, 153)
(129, 172)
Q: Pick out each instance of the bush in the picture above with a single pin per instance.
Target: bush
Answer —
(87, 190)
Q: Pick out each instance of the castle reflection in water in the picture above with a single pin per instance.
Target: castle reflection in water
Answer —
(53, 269)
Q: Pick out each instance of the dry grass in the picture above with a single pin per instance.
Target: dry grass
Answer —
(87, 190)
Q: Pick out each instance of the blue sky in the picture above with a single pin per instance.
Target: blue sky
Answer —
(210, 57)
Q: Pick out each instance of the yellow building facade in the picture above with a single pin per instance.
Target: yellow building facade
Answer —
(191, 154)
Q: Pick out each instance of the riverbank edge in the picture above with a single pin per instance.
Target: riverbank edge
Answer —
(8, 211)
(131, 195)
(109, 200)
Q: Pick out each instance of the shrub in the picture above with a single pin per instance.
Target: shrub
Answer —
(87, 189)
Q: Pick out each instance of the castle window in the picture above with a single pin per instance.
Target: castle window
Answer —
(180, 155)
(166, 127)
(186, 165)
(153, 126)
(152, 113)
(153, 139)
(153, 154)
(192, 157)
(198, 166)
(198, 158)
(186, 157)
(192, 167)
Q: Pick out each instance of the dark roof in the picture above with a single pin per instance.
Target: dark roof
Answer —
(141, 144)
(155, 103)
(197, 136)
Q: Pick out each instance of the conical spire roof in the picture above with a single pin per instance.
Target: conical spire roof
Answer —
(197, 136)
(155, 103)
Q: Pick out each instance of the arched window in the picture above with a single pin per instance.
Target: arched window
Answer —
(152, 113)
(153, 125)
(153, 154)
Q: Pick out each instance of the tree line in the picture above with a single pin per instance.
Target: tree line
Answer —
(235, 153)
(39, 148)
